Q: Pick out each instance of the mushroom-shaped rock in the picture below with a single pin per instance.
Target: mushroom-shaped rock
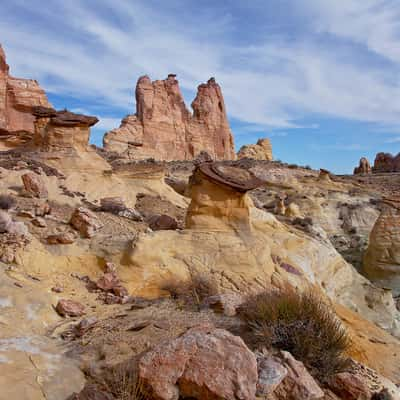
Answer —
(204, 363)
(382, 258)
(219, 199)
(61, 130)
(324, 175)
(363, 168)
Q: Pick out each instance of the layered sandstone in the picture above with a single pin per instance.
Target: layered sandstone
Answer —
(382, 258)
(386, 162)
(364, 167)
(18, 97)
(260, 151)
(163, 128)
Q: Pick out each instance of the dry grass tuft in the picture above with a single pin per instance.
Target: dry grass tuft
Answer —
(193, 291)
(301, 323)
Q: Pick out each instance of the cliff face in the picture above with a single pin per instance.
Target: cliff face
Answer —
(163, 127)
(18, 97)
(260, 151)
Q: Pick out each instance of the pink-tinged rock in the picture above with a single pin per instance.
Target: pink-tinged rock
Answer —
(17, 99)
(349, 387)
(34, 185)
(86, 222)
(163, 128)
(61, 238)
(204, 363)
(70, 308)
(298, 383)
(386, 162)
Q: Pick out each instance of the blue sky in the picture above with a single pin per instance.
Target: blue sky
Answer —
(320, 78)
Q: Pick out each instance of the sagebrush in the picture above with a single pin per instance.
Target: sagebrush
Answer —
(301, 323)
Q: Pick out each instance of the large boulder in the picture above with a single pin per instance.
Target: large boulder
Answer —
(260, 151)
(164, 129)
(204, 363)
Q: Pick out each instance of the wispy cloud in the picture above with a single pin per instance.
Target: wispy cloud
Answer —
(95, 50)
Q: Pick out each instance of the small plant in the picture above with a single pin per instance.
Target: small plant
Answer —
(6, 202)
(293, 166)
(302, 324)
(124, 383)
(193, 291)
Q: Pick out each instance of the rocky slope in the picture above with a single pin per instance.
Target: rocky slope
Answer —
(164, 129)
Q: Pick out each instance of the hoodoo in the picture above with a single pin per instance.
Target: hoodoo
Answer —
(164, 129)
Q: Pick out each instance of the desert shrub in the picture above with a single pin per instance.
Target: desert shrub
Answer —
(307, 167)
(6, 202)
(293, 166)
(193, 291)
(124, 383)
(300, 323)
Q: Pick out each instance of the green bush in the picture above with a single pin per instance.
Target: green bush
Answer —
(300, 323)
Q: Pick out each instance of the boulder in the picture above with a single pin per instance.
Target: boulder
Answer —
(162, 222)
(86, 222)
(34, 185)
(260, 151)
(363, 168)
(349, 387)
(298, 383)
(61, 238)
(164, 129)
(204, 363)
(70, 308)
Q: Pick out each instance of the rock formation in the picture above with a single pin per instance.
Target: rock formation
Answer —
(363, 168)
(17, 98)
(260, 151)
(164, 129)
(386, 162)
(382, 258)
(219, 199)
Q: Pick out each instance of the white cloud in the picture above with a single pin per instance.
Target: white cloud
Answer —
(97, 56)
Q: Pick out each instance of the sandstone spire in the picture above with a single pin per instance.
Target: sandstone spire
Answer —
(163, 127)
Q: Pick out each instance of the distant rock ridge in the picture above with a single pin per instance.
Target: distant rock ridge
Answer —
(163, 128)
(386, 162)
(17, 98)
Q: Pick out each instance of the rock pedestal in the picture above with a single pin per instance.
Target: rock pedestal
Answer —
(363, 168)
(164, 129)
(219, 199)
